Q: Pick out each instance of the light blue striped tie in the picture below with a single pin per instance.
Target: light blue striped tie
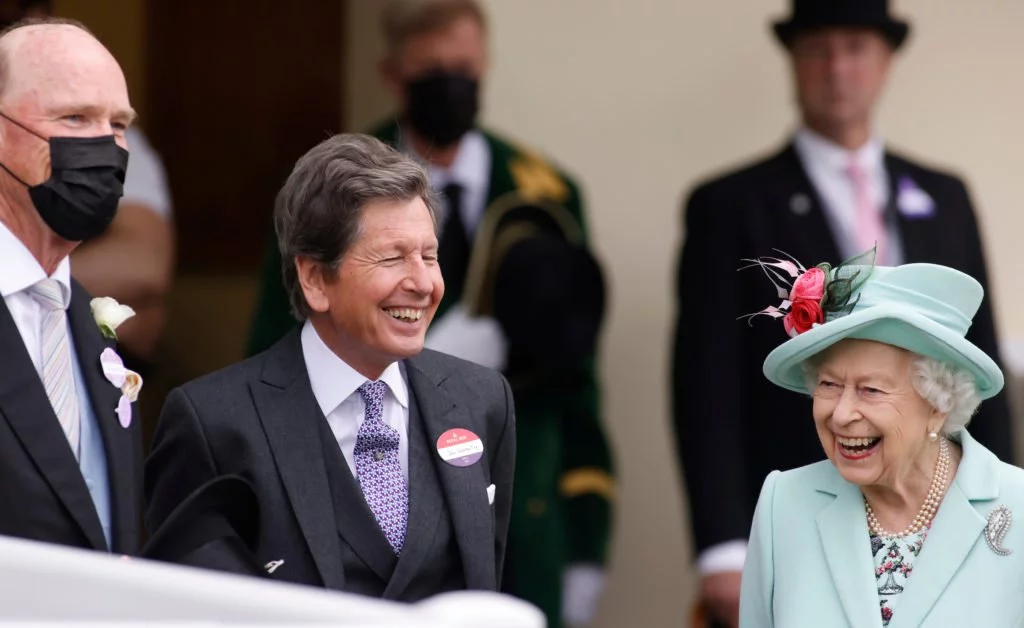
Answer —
(57, 377)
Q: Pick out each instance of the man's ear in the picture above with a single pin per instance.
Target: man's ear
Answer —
(313, 279)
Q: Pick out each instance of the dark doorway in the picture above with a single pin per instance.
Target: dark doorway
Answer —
(236, 91)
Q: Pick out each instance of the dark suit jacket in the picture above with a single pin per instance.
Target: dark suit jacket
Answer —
(733, 427)
(43, 495)
(259, 419)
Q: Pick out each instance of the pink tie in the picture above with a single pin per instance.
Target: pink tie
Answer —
(870, 227)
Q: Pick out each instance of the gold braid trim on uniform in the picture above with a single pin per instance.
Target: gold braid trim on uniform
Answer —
(490, 245)
(587, 480)
(535, 179)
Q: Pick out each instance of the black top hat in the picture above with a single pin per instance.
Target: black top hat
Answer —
(216, 527)
(811, 14)
(535, 275)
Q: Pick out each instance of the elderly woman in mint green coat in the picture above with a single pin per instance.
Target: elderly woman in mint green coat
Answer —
(910, 522)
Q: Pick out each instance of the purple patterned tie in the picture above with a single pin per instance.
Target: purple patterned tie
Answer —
(378, 469)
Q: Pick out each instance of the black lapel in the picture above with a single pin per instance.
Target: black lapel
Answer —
(356, 523)
(917, 235)
(118, 442)
(23, 402)
(465, 488)
(290, 417)
(801, 210)
(425, 503)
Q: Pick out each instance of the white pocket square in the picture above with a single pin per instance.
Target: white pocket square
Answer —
(490, 494)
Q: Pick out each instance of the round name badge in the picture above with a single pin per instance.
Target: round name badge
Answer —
(459, 447)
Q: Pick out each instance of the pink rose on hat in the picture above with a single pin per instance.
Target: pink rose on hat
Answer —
(805, 302)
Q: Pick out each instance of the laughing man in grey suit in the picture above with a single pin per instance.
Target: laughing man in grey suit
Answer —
(345, 427)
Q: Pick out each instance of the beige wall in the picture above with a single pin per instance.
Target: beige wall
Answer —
(641, 98)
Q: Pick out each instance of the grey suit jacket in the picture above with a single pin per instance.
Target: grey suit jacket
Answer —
(260, 420)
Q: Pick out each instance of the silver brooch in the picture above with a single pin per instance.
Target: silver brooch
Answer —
(998, 523)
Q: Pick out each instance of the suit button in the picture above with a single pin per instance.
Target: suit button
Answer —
(536, 506)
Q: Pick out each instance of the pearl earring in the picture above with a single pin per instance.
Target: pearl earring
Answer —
(932, 436)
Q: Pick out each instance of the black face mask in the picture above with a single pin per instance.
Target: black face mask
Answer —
(79, 200)
(442, 106)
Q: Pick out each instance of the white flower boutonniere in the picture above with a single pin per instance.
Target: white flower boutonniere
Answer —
(109, 315)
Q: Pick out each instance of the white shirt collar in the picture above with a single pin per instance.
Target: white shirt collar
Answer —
(21, 270)
(471, 168)
(822, 151)
(334, 381)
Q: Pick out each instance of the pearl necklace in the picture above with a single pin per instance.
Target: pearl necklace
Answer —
(931, 502)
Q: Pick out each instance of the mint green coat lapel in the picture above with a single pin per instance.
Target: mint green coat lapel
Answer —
(957, 528)
(844, 538)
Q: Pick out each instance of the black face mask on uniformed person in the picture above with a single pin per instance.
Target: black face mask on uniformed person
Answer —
(442, 106)
(79, 200)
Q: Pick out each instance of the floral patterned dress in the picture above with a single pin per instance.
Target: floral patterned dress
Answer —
(894, 562)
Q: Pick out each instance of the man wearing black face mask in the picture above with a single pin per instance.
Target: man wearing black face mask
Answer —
(70, 447)
(133, 260)
(564, 482)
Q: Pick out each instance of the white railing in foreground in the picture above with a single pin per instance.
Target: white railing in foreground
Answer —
(43, 585)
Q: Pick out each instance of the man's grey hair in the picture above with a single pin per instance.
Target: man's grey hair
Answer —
(319, 209)
(947, 388)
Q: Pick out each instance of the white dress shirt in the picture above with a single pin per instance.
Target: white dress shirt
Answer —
(471, 170)
(826, 164)
(21, 271)
(336, 388)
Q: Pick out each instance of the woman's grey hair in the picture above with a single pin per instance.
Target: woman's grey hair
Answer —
(945, 387)
(318, 210)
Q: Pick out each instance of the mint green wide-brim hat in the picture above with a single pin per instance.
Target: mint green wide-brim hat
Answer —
(923, 308)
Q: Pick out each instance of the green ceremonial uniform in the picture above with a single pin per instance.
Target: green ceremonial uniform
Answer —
(564, 486)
